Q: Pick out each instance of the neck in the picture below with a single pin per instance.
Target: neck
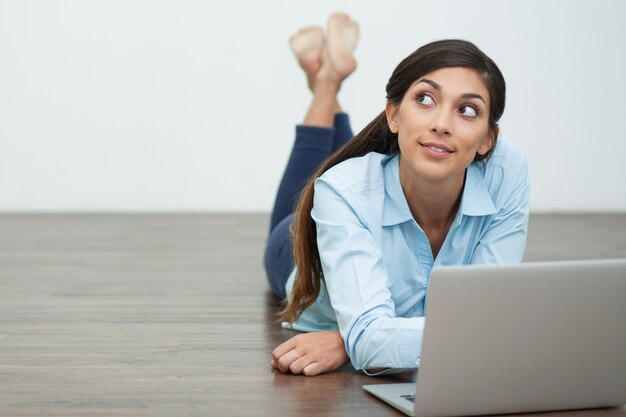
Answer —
(433, 203)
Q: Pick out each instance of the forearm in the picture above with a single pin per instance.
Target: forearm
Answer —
(385, 342)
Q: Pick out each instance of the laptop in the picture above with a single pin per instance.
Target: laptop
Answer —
(521, 338)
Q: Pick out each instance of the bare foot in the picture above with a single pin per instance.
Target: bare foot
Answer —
(343, 35)
(307, 45)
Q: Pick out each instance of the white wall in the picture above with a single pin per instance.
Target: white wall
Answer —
(190, 105)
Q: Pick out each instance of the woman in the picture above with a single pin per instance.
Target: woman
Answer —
(426, 183)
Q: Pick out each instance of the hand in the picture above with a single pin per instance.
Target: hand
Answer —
(310, 354)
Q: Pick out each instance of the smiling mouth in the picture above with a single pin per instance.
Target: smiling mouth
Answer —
(436, 149)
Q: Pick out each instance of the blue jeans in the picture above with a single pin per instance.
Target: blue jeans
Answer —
(311, 147)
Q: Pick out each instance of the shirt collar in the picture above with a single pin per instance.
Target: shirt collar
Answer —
(475, 201)
(395, 209)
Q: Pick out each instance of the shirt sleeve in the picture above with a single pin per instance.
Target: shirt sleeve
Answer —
(504, 240)
(358, 285)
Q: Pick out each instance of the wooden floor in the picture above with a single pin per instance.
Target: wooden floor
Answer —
(169, 315)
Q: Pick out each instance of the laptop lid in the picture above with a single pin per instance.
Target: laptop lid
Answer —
(521, 338)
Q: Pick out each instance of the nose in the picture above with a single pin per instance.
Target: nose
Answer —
(441, 123)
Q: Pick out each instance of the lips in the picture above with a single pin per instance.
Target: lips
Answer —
(437, 148)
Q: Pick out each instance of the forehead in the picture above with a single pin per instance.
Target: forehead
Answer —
(456, 81)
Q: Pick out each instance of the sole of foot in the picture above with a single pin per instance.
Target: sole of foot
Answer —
(343, 36)
(307, 45)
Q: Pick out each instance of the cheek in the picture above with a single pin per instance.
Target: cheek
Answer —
(413, 124)
(402, 142)
(472, 136)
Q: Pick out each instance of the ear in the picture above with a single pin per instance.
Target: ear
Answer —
(489, 141)
(391, 111)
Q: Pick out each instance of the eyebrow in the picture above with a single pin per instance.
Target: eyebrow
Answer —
(438, 88)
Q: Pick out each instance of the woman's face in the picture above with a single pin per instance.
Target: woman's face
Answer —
(442, 123)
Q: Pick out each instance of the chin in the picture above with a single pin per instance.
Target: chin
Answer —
(433, 170)
(438, 172)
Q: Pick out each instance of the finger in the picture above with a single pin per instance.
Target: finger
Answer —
(312, 369)
(282, 349)
(273, 363)
(299, 364)
(286, 360)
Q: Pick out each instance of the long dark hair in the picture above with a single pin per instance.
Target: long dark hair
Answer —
(376, 137)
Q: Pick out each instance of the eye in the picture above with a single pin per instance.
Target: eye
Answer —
(469, 111)
(424, 98)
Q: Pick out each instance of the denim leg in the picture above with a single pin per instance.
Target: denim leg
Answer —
(278, 257)
(311, 147)
(343, 131)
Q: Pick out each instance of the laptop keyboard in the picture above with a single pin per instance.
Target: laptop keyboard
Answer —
(409, 397)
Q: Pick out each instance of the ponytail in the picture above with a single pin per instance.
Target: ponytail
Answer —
(375, 137)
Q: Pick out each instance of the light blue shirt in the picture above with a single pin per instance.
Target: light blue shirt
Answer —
(377, 260)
